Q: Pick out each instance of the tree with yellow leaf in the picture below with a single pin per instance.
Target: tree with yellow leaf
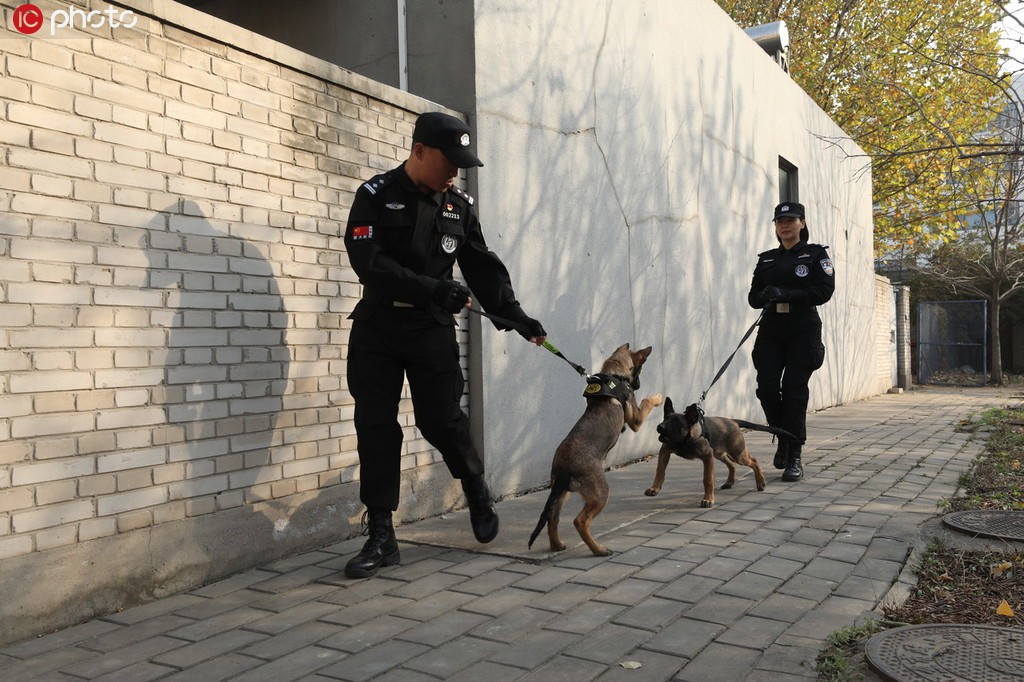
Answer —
(912, 82)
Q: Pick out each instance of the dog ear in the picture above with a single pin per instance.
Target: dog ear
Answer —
(668, 406)
(692, 416)
(624, 346)
(643, 353)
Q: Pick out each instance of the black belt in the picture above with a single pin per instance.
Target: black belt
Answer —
(388, 302)
(789, 308)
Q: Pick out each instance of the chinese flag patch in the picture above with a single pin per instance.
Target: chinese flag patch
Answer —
(362, 232)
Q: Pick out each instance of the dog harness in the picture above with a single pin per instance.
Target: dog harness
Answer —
(608, 386)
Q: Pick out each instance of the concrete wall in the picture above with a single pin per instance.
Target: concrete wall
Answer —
(364, 37)
(174, 287)
(357, 35)
(633, 166)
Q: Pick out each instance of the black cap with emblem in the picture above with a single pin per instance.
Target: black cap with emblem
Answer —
(789, 209)
(448, 134)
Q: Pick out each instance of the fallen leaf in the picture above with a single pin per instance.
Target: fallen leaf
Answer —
(1015, 465)
(1004, 609)
(999, 569)
(631, 665)
(945, 576)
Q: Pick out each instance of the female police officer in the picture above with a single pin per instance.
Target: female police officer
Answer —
(406, 230)
(788, 283)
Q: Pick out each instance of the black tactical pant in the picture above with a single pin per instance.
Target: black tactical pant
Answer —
(786, 353)
(382, 351)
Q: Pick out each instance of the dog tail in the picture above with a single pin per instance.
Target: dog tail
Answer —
(767, 429)
(559, 484)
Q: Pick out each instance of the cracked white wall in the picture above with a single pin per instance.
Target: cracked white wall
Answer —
(632, 164)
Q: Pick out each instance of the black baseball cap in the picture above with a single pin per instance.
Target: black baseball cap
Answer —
(789, 209)
(448, 134)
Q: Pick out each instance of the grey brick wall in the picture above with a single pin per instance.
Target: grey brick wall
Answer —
(173, 283)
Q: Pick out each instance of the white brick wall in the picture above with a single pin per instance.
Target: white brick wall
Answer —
(172, 281)
(885, 334)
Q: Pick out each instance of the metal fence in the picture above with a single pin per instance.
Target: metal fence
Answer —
(952, 343)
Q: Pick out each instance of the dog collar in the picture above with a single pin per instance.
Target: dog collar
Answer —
(608, 386)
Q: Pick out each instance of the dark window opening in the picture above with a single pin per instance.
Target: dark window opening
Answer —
(789, 186)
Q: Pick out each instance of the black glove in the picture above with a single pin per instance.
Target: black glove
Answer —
(529, 328)
(774, 295)
(450, 296)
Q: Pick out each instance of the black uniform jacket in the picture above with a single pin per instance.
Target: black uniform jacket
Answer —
(804, 273)
(401, 242)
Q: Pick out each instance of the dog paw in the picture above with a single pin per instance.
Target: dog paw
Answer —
(557, 547)
(602, 551)
(651, 492)
(655, 399)
(760, 487)
(726, 486)
(706, 504)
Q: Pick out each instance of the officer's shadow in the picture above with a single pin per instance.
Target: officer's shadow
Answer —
(225, 371)
(227, 361)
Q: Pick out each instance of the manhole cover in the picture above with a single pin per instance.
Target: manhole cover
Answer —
(948, 652)
(997, 523)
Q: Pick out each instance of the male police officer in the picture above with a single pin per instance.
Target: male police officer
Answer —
(406, 230)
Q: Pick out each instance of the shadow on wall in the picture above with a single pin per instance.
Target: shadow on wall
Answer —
(226, 367)
(648, 162)
(225, 372)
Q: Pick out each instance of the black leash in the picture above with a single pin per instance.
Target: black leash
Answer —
(583, 373)
(514, 325)
(728, 360)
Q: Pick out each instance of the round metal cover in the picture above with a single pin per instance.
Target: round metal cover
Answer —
(948, 652)
(996, 523)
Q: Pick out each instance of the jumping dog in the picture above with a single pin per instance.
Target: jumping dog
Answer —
(578, 464)
(691, 435)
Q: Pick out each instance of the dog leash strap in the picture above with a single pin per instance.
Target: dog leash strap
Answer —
(547, 344)
(500, 320)
(729, 359)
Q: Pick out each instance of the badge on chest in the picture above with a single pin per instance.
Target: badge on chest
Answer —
(449, 243)
(450, 213)
(450, 228)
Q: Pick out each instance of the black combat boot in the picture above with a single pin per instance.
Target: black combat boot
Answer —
(781, 454)
(794, 469)
(481, 512)
(381, 548)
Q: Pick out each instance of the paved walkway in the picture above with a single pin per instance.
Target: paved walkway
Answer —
(747, 590)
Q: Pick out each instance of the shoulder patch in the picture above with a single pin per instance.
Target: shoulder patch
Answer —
(458, 191)
(377, 183)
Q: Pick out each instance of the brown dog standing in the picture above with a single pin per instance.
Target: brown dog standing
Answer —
(578, 464)
(690, 435)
